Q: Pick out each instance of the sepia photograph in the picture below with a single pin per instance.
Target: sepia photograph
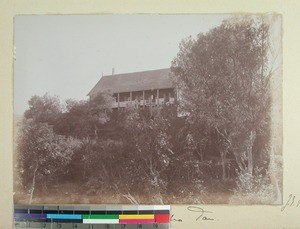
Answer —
(148, 109)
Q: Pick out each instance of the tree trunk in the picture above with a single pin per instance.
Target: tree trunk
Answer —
(245, 161)
(249, 154)
(250, 162)
(274, 181)
(96, 131)
(224, 144)
(33, 184)
(239, 161)
(223, 162)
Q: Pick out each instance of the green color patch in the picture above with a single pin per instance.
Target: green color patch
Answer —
(100, 216)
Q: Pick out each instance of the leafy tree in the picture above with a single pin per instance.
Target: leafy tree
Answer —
(224, 81)
(85, 118)
(43, 155)
(43, 109)
(152, 149)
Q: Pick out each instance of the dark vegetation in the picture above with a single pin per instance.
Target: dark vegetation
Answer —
(214, 146)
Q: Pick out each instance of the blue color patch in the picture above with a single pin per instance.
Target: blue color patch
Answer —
(63, 216)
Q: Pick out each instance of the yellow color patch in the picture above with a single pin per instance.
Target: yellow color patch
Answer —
(145, 216)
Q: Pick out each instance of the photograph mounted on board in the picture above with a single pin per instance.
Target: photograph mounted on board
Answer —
(148, 109)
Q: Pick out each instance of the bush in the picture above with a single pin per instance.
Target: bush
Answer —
(253, 188)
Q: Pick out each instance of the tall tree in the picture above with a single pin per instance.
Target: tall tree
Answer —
(224, 81)
(152, 148)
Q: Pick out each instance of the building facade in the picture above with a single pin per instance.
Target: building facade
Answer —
(139, 89)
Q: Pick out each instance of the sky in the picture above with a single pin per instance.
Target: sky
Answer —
(67, 55)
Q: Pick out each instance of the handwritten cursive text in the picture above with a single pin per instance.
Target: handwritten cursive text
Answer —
(201, 213)
(291, 202)
(174, 219)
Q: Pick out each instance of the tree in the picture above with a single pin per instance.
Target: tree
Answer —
(152, 149)
(99, 109)
(43, 155)
(46, 143)
(43, 109)
(224, 81)
(85, 118)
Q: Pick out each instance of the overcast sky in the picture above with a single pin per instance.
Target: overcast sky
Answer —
(67, 55)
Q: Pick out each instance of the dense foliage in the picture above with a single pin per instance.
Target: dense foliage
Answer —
(215, 140)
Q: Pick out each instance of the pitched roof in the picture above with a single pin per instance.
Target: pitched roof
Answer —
(136, 81)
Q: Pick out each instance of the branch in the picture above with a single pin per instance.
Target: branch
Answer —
(130, 198)
(223, 135)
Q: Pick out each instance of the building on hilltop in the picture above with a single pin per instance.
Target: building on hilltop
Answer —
(139, 89)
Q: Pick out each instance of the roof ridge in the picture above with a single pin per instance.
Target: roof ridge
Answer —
(137, 72)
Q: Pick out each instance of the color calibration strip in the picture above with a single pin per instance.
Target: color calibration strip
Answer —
(131, 214)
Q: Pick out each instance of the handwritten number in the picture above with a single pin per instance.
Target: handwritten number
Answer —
(43, 225)
(59, 225)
